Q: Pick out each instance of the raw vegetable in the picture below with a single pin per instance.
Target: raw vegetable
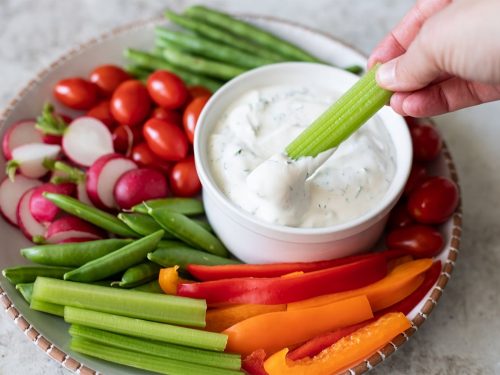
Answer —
(50, 124)
(141, 223)
(169, 279)
(102, 112)
(130, 103)
(176, 253)
(28, 274)
(196, 91)
(420, 241)
(119, 260)
(254, 363)
(167, 90)
(418, 174)
(42, 209)
(11, 193)
(138, 275)
(138, 72)
(165, 139)
(29, 160)
(131, 303)
(151, 287)
(168, 115)
(399, 217)
(31, 228)
(185, 206)
(144, 157)
(427, 142)
(18, 134)
(107, 78)
(76, 93)
(26, 290)
(47, 307)
(71, 227)
(191, 115)
(184, 179)
(273, 332)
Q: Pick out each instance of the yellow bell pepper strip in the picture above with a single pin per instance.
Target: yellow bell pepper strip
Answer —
(345, 353)
(169, 280)
(277, 330)
(398, 284)
(222, 318)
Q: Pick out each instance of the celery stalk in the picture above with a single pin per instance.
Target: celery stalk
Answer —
(341, 119)
(47, 307)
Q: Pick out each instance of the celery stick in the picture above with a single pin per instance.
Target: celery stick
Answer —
(136, 304)
(145, 329)
(160, 349)
(341, 119)
(47, 307)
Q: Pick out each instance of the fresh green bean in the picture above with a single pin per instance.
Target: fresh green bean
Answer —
(182, 256)
(138, 275)
(47, 307)
(138, 71)
(28, 274)
(245, 30)
(151, 287)
(91, 214)
(188, 231)
(72, 254)
(26, 290)
(185, 206)
(205, 47)
(117, 261)
(150, 61)
(141, 223)
(218, 35)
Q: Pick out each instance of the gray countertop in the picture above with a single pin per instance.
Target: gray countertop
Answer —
(463, 334)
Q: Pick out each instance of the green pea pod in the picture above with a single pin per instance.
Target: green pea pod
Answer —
(26, 290)
(151, 287)
(188, 231)
(182, 256)
(28, 274)
(185, 206)
(116, 261)
(204, 224)
(72, 254)
(138, 275)
(141, 223)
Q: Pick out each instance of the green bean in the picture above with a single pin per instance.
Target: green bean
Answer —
(151, 287)
(116, 261)
(141, 223)
(28, 274)
(138, 275)
(205, 47)
(245, 30)
(188, 231)
(185, 206)
(26, 290)
(182, 256)
(138, 71)
(201, 65)
(72, 254)
(150, 61)
(91, 214)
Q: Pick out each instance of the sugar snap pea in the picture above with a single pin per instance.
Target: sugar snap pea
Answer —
(26, 290)
(138, 275)
(28, 274)
(72, 254)
(116, 261)
(188, 231)
(182, 256)
(151, 287)
(185, 206)
(141, 223)
(91, 214)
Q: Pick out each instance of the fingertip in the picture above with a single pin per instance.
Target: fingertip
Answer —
(397, 101)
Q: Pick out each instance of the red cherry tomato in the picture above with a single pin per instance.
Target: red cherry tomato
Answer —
(144, 157)
(76, 93)
(399, 217)
(184, 180)
(130, 103)
(102, 112)
(421, 241)
(417, 175)
(168, 115)
(434, 201)
(108, 78)
(165, 139)
(197, 91)
(191, 115)
(166, 89)
(426, 141)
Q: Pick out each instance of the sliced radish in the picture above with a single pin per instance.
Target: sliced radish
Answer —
(102, 177)
(11, 193)
(29, 159)
(30, 227)
(71, 227)
(81, 193)
(20, 133)
(41, 208)
(86, 140)
(140, 185)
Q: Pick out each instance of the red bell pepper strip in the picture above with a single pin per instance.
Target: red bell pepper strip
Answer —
(279, 290)
(231, 271)
(253, 364)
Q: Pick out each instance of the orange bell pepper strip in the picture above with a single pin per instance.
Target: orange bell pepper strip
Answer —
(398, 284)
(278, 330)
(222, 318)
(345, 353)
(169, 279)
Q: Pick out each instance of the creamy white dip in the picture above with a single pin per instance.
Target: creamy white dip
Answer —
(246, 154)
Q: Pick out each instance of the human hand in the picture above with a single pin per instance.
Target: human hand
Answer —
(442, 56)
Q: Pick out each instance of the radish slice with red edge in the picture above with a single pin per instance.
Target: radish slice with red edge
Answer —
(73, 240)
(102, 177)
(31, 228)
(85, 140)
(81, 194)
(43, 210)
(11, 193)
(20, 133)
(71, 227)
(29, 159)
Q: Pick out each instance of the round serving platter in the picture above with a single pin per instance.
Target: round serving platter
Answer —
(50, 333)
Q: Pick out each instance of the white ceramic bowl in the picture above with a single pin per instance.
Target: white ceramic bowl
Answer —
(255, 241)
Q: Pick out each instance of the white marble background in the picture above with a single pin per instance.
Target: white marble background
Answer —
(463, 333)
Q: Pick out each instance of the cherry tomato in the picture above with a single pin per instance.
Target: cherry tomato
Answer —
(165, 139)
(191, 115)
(434, 201)
(144, 157)
(421, 241)
(197, 91)
(426, 141)
(76, 93)
(130, 103)
(412, 121)
(108, 78)
(167, 115)
(417, 175)
(399, 217)
(166, 89)
(184, 180)
(124, 137)
(102, 112)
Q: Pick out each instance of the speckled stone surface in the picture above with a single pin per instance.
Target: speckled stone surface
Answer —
(462, 335)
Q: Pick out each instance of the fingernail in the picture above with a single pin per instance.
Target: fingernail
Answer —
(386, 74)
